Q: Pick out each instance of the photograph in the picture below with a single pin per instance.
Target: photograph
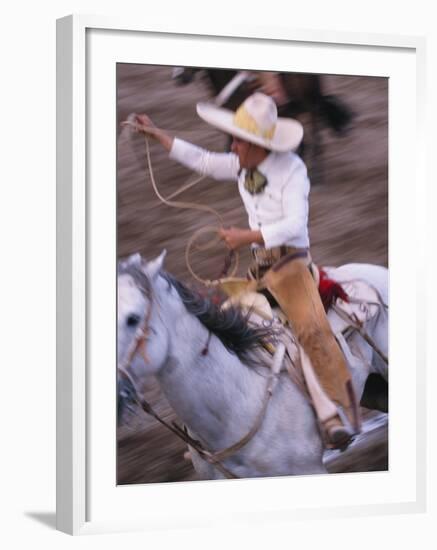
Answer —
(252, 273)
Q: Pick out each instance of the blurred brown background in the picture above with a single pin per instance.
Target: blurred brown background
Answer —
(348, 221)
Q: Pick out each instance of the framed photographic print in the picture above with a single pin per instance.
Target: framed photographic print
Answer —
(189, 369)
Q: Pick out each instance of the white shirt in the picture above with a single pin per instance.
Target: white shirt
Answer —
(280, 211)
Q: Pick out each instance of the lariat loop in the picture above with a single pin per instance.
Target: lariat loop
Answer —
(206, 229)
(192, 244)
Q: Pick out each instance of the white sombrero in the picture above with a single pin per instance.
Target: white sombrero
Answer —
(256, 121)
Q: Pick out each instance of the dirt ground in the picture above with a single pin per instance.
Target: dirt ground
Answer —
(348, 223)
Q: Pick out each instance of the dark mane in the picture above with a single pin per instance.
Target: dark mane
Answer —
(230, 325)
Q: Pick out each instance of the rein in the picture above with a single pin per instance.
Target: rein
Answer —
(176, 429)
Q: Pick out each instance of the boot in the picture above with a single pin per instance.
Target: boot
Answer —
(335, 433)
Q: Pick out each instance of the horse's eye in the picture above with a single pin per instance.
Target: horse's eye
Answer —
(133, 320)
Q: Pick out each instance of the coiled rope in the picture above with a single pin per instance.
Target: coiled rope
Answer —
(232, 257)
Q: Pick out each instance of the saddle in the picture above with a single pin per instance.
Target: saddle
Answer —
(360, 304)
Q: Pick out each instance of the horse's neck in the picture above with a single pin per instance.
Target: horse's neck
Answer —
(211, 390)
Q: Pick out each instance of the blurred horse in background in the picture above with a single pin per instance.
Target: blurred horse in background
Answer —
(297, 95)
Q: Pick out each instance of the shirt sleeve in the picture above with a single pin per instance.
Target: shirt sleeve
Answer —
(294, 222)
(220, 166)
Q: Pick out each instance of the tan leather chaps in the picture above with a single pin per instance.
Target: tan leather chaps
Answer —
(292, 285)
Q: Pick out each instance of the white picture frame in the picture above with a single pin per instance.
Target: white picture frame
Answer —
(76, 200)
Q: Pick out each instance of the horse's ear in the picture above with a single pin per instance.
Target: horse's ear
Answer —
(132, 260)
(152, 268)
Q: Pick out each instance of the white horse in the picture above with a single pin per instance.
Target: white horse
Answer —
(218, 394)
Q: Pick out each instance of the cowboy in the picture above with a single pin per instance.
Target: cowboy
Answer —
(274, 187)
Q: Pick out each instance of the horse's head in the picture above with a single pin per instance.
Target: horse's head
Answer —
(141, 343)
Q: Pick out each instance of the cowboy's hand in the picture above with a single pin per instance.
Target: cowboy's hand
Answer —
(141, 123)
(144, 124)
(235, 238)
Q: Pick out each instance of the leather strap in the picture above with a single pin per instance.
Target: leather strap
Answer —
(302, 253)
